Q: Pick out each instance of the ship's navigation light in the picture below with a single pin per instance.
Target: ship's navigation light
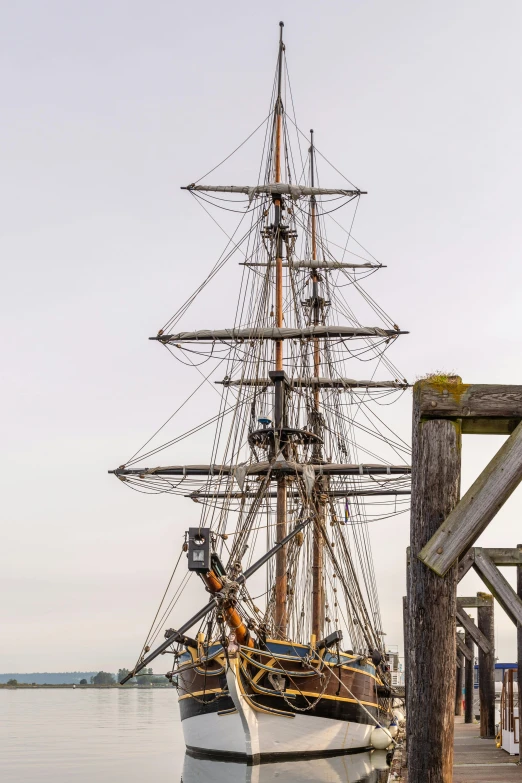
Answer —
(199, 549)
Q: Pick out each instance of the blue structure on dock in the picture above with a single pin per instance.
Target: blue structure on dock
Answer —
(500, 668)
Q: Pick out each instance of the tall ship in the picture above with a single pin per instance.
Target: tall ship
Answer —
(286, 656)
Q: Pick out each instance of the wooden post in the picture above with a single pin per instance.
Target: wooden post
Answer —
(432, 604)
(519, 646)
(470, 680)
(486, 623)
(458, 683)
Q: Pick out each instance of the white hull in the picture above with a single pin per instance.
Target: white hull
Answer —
(255, 734)
(268, 735)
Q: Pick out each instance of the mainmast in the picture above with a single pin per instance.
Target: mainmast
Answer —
(277, 202)
(281, 618)
(317, 556)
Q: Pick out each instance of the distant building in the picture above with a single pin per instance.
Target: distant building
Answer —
(396, 667)
(500, 668)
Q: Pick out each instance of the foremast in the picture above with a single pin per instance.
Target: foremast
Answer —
(281, 578)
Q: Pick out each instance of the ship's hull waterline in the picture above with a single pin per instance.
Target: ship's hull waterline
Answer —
(236, 722)
(270, 737)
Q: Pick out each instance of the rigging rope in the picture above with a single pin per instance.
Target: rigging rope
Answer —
(349, 423)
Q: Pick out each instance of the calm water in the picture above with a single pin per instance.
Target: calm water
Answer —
(108, 736)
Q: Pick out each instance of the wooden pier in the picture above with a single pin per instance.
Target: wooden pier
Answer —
(478, 760)
(443, 532)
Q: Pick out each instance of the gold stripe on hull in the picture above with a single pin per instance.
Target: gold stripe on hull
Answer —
(201, 693)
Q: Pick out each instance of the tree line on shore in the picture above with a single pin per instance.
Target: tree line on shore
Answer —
(46, 678)
(100, 679)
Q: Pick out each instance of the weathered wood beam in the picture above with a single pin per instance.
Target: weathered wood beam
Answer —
(459, 682)
(469, 677)
(486, 661)
(477, 426)
(477, 508)
(504, 557)
(498, 585)
(445, 398)
(432, 602)
(501, 557)
(461, 648)
(472, 602)
(476, 634)
(465, 563)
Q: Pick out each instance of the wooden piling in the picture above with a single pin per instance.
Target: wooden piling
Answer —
(432, 605)
(486, 623)
(459, 682)
(519, 646)
(469, 684)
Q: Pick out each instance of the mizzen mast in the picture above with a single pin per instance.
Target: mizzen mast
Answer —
(281, 614)
(317, 549)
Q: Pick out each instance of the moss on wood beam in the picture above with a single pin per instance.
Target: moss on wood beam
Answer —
(488, 409)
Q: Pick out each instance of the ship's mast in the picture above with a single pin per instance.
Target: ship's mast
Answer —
(281, 560)
(277, 203)
(307, 488)
(317, 561)
(315, 276)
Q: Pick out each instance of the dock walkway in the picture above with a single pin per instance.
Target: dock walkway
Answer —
(480, 761)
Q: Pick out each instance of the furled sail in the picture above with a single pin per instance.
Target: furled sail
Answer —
(277, 333)
(315, 264)
(275, 189)
(333, 493)
(321, 383)
(262, 468)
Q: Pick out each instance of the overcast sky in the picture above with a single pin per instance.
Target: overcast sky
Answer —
(107, 107)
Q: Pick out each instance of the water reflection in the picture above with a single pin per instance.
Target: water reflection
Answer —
(354, 768)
